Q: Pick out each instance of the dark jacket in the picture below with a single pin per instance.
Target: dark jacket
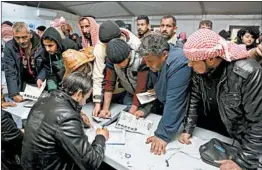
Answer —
(239, 98)
(53, 64)
(171, 89)
(54, 137)
(12, 64)
(11, 139)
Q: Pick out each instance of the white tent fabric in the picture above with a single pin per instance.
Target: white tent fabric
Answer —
(110, 9)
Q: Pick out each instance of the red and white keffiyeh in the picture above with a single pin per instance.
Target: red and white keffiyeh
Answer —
(204, 44)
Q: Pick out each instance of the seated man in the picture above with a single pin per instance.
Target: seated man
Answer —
(123, 63)
(171, 86)
(22, 60)
(54, 137)
(229, 90)
(108, 31)
(53, 66)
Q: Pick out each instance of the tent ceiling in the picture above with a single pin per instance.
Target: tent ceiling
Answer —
(101, 9)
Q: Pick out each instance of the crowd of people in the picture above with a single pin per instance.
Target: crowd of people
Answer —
(205, 80)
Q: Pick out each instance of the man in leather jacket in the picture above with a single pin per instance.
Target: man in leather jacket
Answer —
(235, 92)
(54, 138)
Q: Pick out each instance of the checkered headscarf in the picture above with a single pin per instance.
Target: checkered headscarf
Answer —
(204, 44)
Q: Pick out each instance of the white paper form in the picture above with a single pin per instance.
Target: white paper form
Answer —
(33, 93)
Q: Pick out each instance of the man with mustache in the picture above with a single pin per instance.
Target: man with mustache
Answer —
(168, 30)
(143, 26)
(22, 60)
(89, 30)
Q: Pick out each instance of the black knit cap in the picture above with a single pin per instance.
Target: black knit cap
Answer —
(117, 50)
(108, 30)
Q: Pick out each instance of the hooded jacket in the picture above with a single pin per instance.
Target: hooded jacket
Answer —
(94, 30)
(12, 64)
(53, 64)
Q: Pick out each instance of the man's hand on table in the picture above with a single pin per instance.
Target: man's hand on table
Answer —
(158, 146)
(103, 132)
(228, 165)
(7, 104)
(97, 109)
(18, 98)
(133, 109)
(139, 114)
(184, 138)
(104, 114)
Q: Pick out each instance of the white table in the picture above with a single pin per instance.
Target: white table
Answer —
(141, 157)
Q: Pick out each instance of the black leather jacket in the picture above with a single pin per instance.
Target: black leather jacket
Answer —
(239, 97)
(54, 137)
(11, 139)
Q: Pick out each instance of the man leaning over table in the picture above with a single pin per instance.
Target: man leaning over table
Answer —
(171, 86)
(227, 88)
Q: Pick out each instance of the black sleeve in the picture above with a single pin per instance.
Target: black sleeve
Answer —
(73, 140)
(251, 148)
(195, 98)
(10, 72)
(10, 133)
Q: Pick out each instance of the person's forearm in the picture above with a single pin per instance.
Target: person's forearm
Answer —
(107, 100)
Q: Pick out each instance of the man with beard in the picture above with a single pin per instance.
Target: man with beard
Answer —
(22, 60)
(229, 88)
(89, 30)
(143, 26)
(168, 30)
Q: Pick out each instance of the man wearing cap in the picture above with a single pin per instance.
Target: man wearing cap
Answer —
(108, 30)
(122, 63)
(229, 87)
(171, 86)
(40, 30)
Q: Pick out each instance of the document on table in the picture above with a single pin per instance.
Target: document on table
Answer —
(33, 93)
(116, 136)
(191, 150)
(145, 97)
(130, 123)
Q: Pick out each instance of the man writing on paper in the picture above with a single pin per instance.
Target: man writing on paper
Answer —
(123, 63)
(54, 137)
(171, 86)
(230, 92)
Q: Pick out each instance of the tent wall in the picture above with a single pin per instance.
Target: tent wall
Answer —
(15, 13)
(188, 23)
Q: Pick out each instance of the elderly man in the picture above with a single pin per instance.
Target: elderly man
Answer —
(171, 86)
(22, 60)
(230, 92)
(168, 30)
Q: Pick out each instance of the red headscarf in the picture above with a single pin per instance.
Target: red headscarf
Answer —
(93, 32)
(205, 43)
